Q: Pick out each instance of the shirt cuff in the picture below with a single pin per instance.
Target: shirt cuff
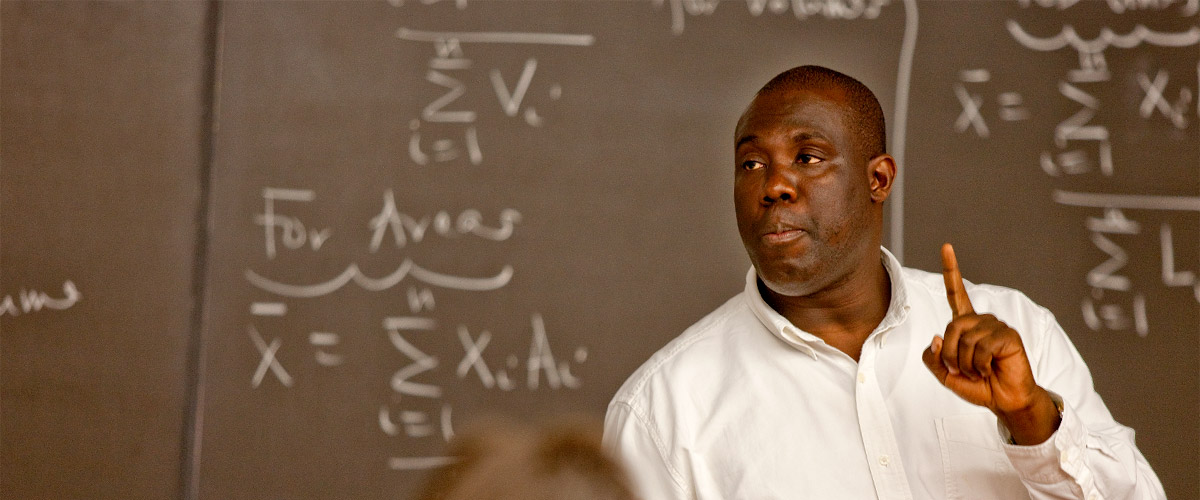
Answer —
(1059, 458)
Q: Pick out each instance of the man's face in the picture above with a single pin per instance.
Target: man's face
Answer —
(802, 191)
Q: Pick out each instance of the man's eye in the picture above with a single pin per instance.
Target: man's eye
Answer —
(752, 165)
(807, 159)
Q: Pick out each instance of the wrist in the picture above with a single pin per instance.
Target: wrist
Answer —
(1035, 423)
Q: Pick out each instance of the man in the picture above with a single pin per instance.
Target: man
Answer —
(827, 378)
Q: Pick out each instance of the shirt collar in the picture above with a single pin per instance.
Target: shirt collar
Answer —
(778, 325)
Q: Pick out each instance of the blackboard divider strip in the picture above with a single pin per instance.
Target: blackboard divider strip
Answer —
(193, 424)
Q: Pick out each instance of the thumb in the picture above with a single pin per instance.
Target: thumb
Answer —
(933, 360)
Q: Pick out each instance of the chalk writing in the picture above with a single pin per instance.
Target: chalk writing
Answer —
(446, 71)
(32, 301)
(294, 235)
(268, 360)
(801, 9)
(1188, 7)
(405, 228)
(1084, 145)
(406, 268)
(1155, 100)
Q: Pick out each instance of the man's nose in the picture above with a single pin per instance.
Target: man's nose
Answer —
(780, 184)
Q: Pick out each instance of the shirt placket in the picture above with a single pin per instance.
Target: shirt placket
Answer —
(875, 425)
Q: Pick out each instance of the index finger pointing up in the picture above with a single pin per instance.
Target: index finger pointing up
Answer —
(956, 293)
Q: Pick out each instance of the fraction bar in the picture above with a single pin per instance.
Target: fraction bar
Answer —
(496, 37)
(419, 463)
(1130, 201)
(408, 323)
(268, 308)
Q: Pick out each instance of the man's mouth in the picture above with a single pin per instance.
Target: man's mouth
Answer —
(783, 235)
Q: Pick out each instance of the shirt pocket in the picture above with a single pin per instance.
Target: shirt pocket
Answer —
(973, 461)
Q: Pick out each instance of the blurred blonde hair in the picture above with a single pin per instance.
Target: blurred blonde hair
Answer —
(504, 461)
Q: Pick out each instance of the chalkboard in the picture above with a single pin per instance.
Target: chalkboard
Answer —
(102, 114)
(390, 218)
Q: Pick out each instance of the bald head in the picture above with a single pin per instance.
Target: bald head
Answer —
(863, 115)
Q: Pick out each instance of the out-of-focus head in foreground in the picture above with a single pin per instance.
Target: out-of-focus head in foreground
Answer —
(505, 461)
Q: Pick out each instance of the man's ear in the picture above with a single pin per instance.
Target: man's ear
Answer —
(882, 170)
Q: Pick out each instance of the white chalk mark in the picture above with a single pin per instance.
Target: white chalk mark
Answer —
(7, 306)
(324, 339)
(409, 323)
(406, 268)
(268, 360)
(449, 64)
(268, 308)
(496, 37)
(970, 116)
(419, 463)
(461, 283)
(473, 357)
(1010, 107)
(421, 363)
(36, 300)
(416, 423)
(511, 101)
(908, 47)
(471, 221)
(1128, 201)
(1113, 222)
(1089, 315)
(328, 359)
(473, 150)
(434, 113)
(1107, 38)
(271, 193)
(447, 430)
(974, 75)
(385, 422)
(1154, 97)
(1170, 276)
(801, 9)
(1140, 322)
(1102, 276)
(1155, 100)
(540, 357)
(1073, 93)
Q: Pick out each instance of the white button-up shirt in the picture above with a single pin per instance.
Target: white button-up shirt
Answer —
(743, 405)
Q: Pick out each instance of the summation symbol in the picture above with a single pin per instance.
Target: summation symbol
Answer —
(447, 70)
(1079, 128)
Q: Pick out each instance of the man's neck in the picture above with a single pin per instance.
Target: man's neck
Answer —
(843, 314)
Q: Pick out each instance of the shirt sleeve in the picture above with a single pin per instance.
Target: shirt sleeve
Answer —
(636, 445)
(1090, 456)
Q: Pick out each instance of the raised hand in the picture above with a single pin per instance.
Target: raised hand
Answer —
(983, 361)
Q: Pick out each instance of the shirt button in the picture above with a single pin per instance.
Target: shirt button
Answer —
(862, 377)
(1093, 496)
(883, 460)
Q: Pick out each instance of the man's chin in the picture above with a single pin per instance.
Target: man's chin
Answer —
(790, 281)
